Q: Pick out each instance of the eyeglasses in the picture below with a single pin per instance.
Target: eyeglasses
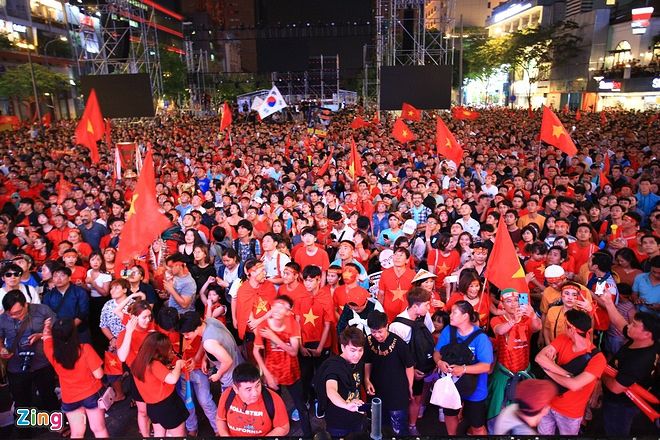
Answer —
(13, 274)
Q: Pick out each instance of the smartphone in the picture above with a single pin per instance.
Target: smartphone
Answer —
(523, 299)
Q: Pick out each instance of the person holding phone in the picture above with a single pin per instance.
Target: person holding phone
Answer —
(513, 333)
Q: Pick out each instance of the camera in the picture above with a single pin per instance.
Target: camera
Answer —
(26, 360)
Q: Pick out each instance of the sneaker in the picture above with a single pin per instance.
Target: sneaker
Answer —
(412, 430)
(295, 416)
(421, 411)
(441, 415)
(317, 412)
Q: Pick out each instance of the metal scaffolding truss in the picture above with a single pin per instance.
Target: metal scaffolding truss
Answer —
(127, 41)
(409, 36)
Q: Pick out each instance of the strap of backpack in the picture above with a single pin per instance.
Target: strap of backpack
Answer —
(253, 247)
(268, 403)
(230, 399)
(453, 337)
(473, 336)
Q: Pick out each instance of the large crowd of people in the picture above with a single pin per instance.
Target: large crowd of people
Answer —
(291, 288)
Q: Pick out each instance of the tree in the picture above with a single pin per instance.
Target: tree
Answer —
(535, 51)
(174, 73)
(16, 82)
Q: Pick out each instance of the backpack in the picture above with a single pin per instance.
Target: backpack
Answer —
(459, 353)
(265, 394)
(576, 366)
(421, 343)
(253, 247)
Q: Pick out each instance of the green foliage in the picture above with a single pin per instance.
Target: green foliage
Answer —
(5, 43)
(482, 56)
(16, 81)
(536, 50)
(174, 73)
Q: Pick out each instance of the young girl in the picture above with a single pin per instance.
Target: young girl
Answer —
(211, 297)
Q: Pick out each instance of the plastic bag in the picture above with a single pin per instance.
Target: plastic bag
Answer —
(445, 394)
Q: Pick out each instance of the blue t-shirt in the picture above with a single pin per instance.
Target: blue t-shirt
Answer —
(483, 352)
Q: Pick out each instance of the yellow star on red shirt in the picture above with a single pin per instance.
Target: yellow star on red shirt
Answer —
(443, 268)
(397, 294)
(310, 317)
(262, 305)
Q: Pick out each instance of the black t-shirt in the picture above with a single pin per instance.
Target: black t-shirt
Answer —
(635, 365)
(349, 380)
(389, 361)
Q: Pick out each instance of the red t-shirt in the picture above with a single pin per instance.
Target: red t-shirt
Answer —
(538, 267)
(443, 265)
(573, 403)
(251, 420)
(154, 389)
(78, 383)
(513, 347)
(395, 289)
(314, 311)
(580, 254)
(482, 307)
(282, 365)
(138, 337)
(250, 300)
(320, 258)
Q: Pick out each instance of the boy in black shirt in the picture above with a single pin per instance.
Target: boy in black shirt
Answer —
(342, 376)
(635, 362)
(389, 372)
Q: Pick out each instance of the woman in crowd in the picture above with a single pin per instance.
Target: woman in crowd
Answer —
(80, 370)
(156, 381)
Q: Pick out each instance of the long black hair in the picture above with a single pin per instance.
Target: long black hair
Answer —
(66, 346)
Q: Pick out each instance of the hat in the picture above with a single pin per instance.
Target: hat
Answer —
(554, 271)
(508, 293)
(532, 395)
(358, 297)
(423, 275)
(409, 227)
(386, 258)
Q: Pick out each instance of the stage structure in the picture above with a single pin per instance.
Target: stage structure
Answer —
(408, 33)
(117, 37)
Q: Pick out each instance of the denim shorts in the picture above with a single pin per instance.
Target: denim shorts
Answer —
(91, 402)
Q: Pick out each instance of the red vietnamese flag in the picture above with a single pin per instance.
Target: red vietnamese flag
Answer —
(324, 169)
(144, 221)
(461, 113)
(376, 119)
(578, 115)
(503, 268)
(564, 111)
(603, 180)
(287, 146)
(226, 119)
(603, 118)
(401, 132)
(46, 120)
(606, 162)
(446, 143)
(410, 113)
(554, 133)
(355, 161)
(91, 127)
(63, 188)
(358, 123)
(652, 119)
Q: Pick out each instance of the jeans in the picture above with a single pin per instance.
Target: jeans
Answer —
(201, 388)
(553, 421)
(296, 392)
(618, 418)
(398, 420)
(21, 386)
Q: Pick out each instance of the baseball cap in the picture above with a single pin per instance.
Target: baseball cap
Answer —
(409, 227)
(358, 297)
(554, 271)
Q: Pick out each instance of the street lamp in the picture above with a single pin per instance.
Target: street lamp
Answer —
(61, 38)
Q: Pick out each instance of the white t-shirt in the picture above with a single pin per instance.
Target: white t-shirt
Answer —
(31, 295)
(102, 278)
(404, 331)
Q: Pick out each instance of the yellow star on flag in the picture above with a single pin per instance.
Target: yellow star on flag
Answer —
(404, 133)
(90, 127)
(466, 113)
(557, 130)
(448, 143)
(520, 273)
(310, 317)
(262, 305)
(131, 210)
(410, 113)
(113, 363)
(397, 294)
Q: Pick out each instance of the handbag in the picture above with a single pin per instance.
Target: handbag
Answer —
(107, 399)
(445, 394)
